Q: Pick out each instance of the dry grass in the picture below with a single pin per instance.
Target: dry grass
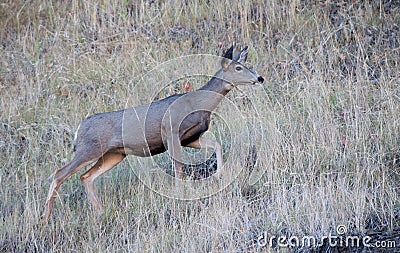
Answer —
(329, 114)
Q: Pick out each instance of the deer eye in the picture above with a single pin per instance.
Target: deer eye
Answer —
(238, 68)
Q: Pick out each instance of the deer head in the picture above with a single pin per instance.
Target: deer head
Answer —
(234, 72)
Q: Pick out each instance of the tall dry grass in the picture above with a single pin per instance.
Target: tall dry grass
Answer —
(329, 114)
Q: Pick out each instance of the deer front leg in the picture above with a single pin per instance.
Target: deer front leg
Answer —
(203, 143)
(174, 150)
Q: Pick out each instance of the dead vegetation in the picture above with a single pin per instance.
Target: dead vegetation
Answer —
(328, 113)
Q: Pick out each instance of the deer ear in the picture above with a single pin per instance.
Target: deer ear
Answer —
(227, 58)
(228, 54)
(243, 55)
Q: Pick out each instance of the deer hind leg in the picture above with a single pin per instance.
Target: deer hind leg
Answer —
(104, 164)
(77, 163)
(203, 143)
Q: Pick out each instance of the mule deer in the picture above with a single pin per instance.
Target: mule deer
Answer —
(147, 130)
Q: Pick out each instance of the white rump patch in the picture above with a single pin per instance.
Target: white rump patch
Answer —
(76, 134)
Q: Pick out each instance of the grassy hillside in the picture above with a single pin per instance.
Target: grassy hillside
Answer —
(324, 127)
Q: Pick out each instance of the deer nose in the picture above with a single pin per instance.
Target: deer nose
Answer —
(260, 79)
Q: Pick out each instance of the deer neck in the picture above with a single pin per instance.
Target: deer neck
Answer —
(217, 84)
